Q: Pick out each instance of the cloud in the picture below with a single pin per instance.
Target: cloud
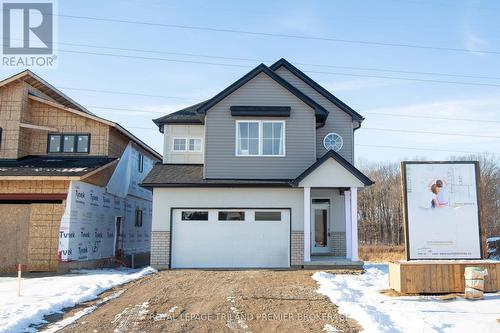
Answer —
(473, 42)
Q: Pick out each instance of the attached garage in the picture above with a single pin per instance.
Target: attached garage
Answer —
(230, 238)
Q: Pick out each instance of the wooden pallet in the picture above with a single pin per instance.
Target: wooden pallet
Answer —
(439, 276)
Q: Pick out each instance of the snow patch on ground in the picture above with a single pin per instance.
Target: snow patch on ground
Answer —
(236, 322)
(330, 329)
(129, 318)
(70, 320)
(167, 315)
(358, 297)
(48, 295)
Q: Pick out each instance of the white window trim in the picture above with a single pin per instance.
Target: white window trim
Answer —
(195, 151)
(186, 150)
(261, 137)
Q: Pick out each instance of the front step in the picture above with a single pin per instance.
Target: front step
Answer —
(329, 262)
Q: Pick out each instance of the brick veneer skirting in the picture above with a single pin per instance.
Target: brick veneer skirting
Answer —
(339, 244)
(160, 249)
(297, 248)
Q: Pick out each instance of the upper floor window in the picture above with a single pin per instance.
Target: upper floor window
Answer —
(260, 138)
(192, 145)
(140, 163)
(138, 218)
(69, 143)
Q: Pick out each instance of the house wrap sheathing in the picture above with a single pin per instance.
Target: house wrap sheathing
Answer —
(89, 229)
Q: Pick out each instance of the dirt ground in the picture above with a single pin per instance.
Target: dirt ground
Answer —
(216, 301)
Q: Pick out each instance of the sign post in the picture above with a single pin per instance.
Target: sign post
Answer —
(19, 268)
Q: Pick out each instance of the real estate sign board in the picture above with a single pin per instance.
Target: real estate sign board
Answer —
(441, 209)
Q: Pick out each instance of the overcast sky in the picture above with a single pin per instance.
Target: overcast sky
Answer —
(177, 80)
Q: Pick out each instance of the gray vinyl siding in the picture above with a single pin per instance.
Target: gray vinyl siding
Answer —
(338, 121)
(220, 135)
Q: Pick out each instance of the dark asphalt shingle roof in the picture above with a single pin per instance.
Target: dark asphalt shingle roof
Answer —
(187, 115)
(181, 175)
(186, 175)
(52, 165)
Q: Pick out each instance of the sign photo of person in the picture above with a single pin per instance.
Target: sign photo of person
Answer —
(441, 210)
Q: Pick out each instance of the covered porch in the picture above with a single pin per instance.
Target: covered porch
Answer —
(330, 227)
(330, 189)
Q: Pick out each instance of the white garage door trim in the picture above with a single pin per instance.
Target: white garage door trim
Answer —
(249, 243)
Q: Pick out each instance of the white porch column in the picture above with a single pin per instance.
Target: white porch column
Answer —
(348, 224)
(307, 224)
(354, 224)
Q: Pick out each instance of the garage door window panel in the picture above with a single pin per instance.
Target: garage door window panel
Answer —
(194, 215)
(268, 216)
(231, 216)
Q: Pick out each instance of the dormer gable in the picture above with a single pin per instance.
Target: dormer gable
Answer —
(320, 112)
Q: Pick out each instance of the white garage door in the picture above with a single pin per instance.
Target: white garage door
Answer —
(230, 238)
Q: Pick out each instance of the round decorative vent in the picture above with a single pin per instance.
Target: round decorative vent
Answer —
(333, 141)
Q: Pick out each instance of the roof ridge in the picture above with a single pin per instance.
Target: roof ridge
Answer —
(322, 112)
(31, 74)
(316, 86)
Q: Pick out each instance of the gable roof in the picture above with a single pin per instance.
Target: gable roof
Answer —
(342, 161)
(60, 100)
(325, 93)
(187, 115)
(321, 113)
(46, 88)
(112, 124)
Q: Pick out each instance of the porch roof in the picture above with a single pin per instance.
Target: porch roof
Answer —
(332, 170)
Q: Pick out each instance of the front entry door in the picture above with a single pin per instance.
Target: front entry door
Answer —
(320, 228)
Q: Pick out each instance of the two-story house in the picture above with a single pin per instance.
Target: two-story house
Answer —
(260, 175)
(69, 182)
